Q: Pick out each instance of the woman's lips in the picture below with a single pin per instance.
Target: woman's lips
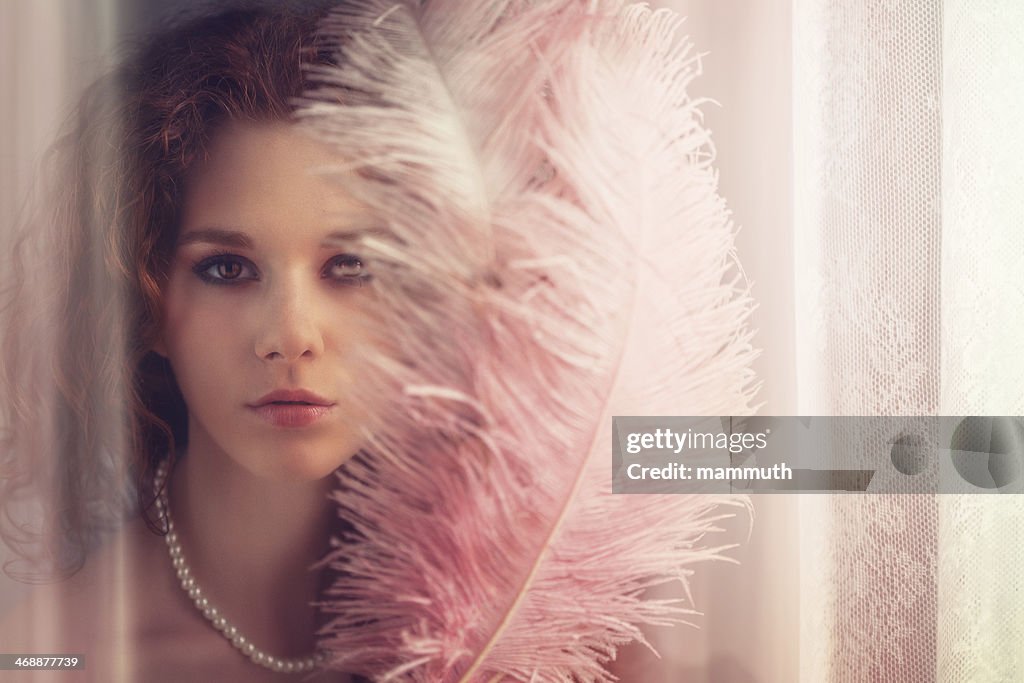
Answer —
(292, 414)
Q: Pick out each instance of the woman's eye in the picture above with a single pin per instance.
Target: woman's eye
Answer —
(224, 269)
(346, 267)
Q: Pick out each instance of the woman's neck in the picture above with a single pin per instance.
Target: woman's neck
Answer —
(250, 543)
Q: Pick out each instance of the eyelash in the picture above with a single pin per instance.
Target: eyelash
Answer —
(202, 268)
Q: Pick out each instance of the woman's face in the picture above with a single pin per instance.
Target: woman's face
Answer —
(267, 294)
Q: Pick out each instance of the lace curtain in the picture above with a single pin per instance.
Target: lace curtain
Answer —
(908, 249)
(905, 242)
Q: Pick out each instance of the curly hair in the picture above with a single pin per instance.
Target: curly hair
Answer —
(88, 411)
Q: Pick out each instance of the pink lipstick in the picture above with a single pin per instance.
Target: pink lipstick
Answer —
(291, 408)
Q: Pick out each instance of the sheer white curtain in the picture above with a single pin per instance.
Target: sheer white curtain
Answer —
(907, 181)
(49, 49)
(867, 236)
(981, 539)
(894, 287)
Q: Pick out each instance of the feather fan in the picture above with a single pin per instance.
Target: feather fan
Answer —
(552, 251)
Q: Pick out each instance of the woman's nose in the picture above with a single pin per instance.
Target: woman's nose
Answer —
(288, 328)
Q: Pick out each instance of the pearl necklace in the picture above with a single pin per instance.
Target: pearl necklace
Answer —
(212, 614)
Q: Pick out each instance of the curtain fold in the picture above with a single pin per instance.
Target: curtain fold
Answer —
(49, 51)
(867, 236)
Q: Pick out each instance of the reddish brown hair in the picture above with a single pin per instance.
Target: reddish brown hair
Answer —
(88, 411)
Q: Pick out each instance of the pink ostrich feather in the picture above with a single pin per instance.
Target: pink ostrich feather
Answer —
(552, 251)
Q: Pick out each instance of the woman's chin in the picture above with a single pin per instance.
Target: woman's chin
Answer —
(297, 466)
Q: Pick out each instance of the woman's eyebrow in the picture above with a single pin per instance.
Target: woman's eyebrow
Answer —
(240, 240)
(227, 238)
(351, 234)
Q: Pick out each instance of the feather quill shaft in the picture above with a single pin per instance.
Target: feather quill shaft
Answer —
(555, 253)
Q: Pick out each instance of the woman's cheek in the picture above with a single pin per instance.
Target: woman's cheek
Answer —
(219, 325)
(204, 324)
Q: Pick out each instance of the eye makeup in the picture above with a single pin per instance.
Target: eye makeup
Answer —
(227, 269)
(211, 269)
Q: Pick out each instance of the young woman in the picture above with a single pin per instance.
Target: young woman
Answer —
(186, 207)
(435, 295)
